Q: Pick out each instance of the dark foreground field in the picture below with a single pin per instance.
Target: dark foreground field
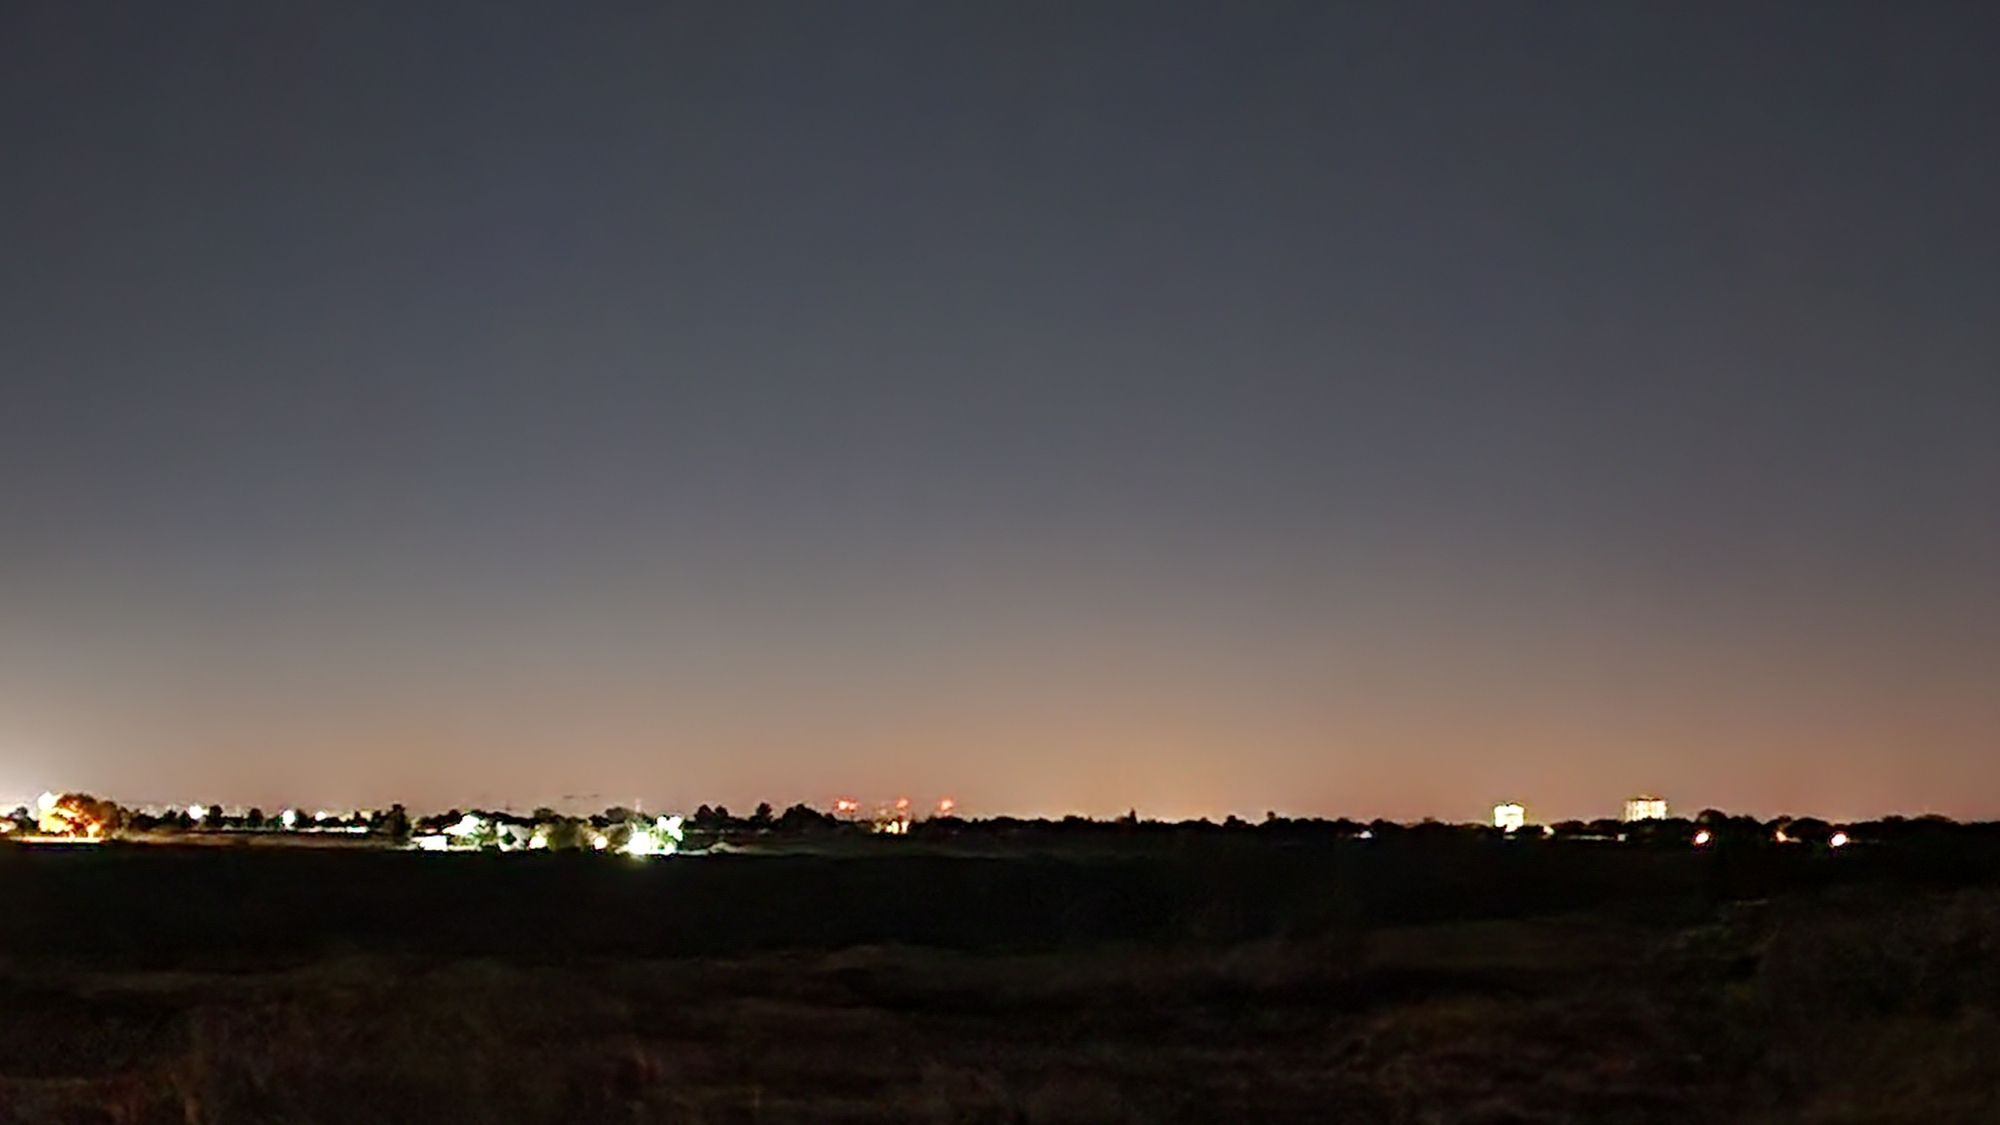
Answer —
(1457, 982)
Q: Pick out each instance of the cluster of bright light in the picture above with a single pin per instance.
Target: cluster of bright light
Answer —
(468, 825)
(1509, 817)
(57, 821)
(289, 818)
(1839, 840)
(894, 818)
(196, 812)
(1646, 808)
(663, 837)
(471, 831)
(69, 817)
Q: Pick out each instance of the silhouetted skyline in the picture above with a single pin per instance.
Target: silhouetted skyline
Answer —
(1378, 409)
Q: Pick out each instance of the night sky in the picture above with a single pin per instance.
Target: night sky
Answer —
(1379, 409)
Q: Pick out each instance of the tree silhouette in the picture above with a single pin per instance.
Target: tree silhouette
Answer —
(396, 825)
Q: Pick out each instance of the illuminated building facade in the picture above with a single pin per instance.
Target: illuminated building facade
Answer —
(1645, 808)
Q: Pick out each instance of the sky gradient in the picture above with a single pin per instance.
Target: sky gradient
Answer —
(1379, 409)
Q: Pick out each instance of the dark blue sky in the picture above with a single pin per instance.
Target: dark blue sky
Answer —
(1380, 408)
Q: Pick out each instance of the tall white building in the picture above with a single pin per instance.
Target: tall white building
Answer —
(1509, 817)
(1645, 808)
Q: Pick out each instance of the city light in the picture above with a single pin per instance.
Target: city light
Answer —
(1509, 817)
(196, 812)
(289, 818)
(946, 806)
(1645, 808)
(662, 838)
(1702, 837)
(1839, 840)
(894, 821)
(75, 817)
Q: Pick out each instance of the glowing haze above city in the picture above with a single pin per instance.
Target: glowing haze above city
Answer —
(496, 404)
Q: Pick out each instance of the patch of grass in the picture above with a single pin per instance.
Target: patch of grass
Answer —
(1172, 988)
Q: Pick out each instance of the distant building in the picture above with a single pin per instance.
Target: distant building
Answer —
(1509, 817)
(1645, 808)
